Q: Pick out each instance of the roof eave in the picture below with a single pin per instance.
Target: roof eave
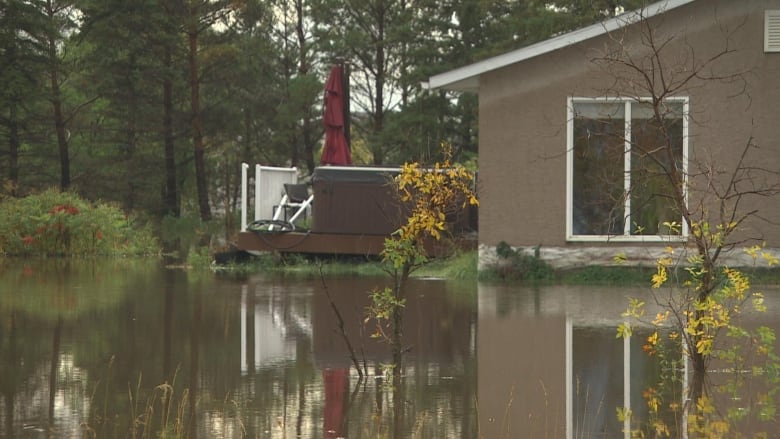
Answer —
(469, 84)
(466, 78)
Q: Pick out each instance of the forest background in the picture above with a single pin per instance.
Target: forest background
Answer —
(153, 104)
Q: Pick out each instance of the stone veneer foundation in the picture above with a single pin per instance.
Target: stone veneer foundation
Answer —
(635, 256)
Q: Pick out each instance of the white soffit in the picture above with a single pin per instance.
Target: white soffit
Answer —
(772, 30)
(467, 78)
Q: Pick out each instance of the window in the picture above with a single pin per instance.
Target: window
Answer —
(617, 183)
(772, 30)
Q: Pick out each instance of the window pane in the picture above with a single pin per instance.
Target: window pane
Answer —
(652, 202)
(597, 377)
(598, 169)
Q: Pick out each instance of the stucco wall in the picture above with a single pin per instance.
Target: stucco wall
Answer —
(523, 120)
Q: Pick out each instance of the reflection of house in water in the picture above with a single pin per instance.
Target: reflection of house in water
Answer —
(603, 374)
(291, 345)
(435, 330)
(550, 365)
(272, 329)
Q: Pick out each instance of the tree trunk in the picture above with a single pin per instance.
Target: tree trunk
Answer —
(171, 190)
(379, 84)
(697, 388)
(398, 405)
(197, 123)
(303, 68)
(699, 366)
(131, 134)
(13, 149)
(59, 126)
(398, 317)
(398, 352)
(56, 102)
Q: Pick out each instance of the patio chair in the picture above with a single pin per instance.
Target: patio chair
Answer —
(296, 199)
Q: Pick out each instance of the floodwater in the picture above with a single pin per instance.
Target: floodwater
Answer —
(124, 348)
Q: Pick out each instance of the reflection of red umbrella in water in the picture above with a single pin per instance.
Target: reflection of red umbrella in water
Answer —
(336, 386)
(336, 150)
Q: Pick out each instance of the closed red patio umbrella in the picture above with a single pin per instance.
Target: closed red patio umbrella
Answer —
(336, 150)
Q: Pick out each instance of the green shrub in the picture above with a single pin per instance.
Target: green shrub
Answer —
(199, 258)
(519, 266)
(187, 231)
(55, 223)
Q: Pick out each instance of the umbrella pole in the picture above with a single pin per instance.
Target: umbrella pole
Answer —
(345, 91)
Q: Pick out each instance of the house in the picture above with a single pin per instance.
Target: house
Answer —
(567, 135)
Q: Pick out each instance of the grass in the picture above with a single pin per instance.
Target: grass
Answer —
(598, 275)
(157, 412)
(463, 267)
(296, 265)
(591, 275)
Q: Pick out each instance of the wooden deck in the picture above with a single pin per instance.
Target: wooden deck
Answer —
(327, 243)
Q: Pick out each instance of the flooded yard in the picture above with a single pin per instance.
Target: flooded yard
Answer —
(123, 349)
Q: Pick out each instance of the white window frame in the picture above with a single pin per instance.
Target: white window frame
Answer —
(772, 30)
(626, 236)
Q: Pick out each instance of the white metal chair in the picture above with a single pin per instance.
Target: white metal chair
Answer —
(296, 198)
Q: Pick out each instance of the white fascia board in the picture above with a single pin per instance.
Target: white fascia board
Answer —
(466, 78)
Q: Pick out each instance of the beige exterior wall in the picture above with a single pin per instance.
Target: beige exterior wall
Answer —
(523, 120)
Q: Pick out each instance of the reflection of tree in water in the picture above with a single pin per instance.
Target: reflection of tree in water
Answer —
(40, 385)
(172, 328)
(41, 379)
